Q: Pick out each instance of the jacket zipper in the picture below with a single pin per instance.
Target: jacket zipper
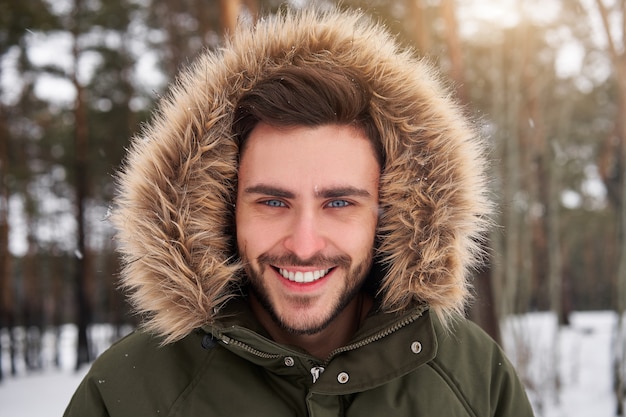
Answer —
(264, 355)
(317, 368)
(384, 333)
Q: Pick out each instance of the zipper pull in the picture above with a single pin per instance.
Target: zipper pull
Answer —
(316, 371)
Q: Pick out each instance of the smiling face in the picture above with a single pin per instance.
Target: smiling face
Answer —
(306, 215)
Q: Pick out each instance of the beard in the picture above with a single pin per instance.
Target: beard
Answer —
(354, 278)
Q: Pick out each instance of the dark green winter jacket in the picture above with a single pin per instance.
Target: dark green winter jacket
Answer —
(396, 366)
(174, 213)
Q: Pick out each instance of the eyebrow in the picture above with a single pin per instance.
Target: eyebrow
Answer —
(333, 192)
(343, 192)
(269, 190)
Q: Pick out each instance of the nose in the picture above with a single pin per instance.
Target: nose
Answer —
(305, 238)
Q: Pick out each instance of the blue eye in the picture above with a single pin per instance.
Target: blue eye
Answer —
(274, 203)
(338, 204)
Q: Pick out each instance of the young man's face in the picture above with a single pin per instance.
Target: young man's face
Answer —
(306, 214)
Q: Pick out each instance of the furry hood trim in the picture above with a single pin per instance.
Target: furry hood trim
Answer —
(174, 206)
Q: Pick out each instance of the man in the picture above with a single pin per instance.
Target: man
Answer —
(297, 224)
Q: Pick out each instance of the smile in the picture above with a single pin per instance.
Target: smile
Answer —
(303, 277)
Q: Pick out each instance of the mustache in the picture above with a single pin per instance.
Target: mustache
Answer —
(292, 259)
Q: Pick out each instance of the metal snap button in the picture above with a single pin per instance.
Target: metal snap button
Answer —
(416, 347)
(289, 361)
(343, 377)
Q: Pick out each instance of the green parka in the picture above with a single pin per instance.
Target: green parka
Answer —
(398, 365)
(200, 351)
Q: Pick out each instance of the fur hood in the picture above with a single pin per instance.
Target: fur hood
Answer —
(174, 207)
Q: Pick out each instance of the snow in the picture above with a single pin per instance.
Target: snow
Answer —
(587, 367)
(583, 384)
(583, 361)
(41, 394)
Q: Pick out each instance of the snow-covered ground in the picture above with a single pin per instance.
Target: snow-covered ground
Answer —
(576, 379)
(47, 392)
(583, 360)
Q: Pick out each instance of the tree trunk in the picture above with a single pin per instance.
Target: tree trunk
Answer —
(618, 59)
(512, 181)
(229, 12)
(420, 27)
(83, 309)
(31, 303)
(496, 237)
(554, 249)
(484, 310)
(555, 264)
(455, 52)
(5, 255)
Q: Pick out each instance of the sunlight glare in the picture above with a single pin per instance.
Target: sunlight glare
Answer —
(483, 15)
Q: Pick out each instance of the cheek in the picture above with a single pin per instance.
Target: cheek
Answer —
(254, 236)
(356, 238)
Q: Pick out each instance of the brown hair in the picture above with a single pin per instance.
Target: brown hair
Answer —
(307, 96)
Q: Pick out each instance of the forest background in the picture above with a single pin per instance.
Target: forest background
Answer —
(544, 79)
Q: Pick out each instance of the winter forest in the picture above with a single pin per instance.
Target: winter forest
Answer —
(544, 79)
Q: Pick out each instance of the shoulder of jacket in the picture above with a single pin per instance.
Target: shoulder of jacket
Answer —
(477, 369)
(466, 339)
(141, 358)
(138, 375)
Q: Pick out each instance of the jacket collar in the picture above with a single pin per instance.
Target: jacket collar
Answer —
(385, 347)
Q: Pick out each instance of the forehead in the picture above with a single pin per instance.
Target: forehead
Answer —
(305, 155)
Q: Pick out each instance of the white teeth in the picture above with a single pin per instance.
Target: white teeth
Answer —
(303, 277)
